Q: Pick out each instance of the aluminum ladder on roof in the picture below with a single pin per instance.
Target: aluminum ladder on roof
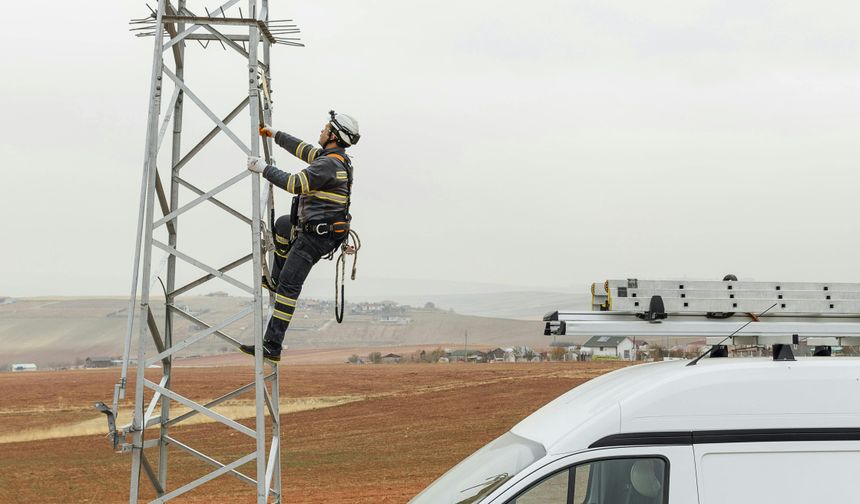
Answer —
(753, 313)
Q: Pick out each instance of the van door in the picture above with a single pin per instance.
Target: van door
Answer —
(635, 475)
(796, 472)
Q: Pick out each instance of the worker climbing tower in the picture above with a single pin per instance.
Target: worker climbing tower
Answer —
(165, 327)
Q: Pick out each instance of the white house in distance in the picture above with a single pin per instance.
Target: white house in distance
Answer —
(23, 367)
(609, 346)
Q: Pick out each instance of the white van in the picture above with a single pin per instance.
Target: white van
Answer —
(724, 431)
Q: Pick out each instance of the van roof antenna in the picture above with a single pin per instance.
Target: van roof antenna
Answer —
(708, 351)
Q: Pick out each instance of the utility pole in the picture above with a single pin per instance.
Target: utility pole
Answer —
(634, 348)
(249, 34)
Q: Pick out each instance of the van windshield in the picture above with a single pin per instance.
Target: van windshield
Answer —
(482, 472)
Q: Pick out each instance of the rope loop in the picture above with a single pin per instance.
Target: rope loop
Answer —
(340, 272)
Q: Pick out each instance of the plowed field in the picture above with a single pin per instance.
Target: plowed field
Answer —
(367, 434)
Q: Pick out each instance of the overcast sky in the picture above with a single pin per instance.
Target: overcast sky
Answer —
(527, 144)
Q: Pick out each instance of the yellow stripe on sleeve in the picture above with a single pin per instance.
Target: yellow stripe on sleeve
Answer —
(306, 186)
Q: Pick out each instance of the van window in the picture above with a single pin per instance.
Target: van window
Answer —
(552, 490)
(580, 482)
(483, 472)
(635, 480)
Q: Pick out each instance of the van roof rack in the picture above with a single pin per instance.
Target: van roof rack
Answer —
(727, 312)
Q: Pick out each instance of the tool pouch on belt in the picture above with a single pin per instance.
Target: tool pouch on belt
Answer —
(294, 211)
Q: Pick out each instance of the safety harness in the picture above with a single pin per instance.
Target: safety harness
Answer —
(335, 229)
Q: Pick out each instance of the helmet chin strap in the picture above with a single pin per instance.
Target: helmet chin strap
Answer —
(332, 138)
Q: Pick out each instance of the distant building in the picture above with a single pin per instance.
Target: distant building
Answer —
(389, 320)
(572, 354)
(463, 355)
(610, 346)
(523, 353)
(391, 358)
(382, 309)
(23, 367)
(501, 355)
(100, 362)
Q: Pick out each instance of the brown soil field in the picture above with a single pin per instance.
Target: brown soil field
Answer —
(364, 434)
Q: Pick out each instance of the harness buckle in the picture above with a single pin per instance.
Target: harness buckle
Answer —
(317, 228)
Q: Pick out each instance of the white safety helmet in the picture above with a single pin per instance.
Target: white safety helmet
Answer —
(345, 128)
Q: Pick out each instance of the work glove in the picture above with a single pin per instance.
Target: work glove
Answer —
(256, 164)
(267, 130)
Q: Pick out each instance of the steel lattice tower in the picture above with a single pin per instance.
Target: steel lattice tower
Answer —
(249, 34)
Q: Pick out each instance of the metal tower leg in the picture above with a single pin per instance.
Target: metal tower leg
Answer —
(176, 155)
(137, 429)
(260, 388)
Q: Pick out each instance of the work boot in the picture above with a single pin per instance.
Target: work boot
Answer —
(271, 357)
(266, 284)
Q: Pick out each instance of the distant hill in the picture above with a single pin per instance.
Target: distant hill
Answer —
(61, 331)
(527, 305)
(484, 299)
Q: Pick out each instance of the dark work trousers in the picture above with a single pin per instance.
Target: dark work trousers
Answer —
(291, 272)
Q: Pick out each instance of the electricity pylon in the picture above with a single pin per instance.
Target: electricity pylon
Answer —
(250, 35)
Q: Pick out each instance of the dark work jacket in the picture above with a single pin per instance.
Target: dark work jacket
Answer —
(323, 187)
